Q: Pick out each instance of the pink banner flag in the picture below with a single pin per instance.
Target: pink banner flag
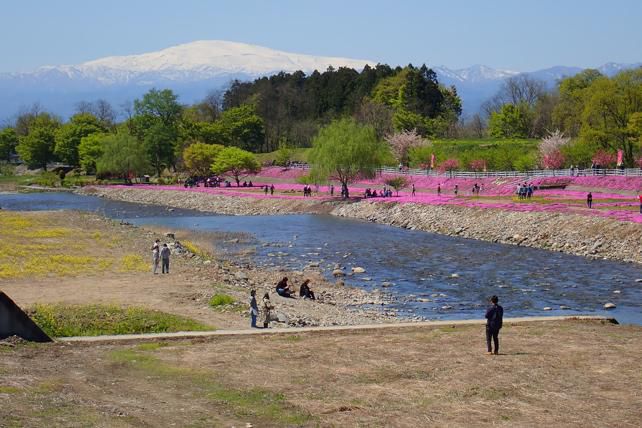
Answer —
(620, 155)
(432, 161)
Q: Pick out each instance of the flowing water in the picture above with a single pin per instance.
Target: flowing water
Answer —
(429, 275)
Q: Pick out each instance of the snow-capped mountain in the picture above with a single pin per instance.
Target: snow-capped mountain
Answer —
(205, 59)
(193, 69)
(474, 74)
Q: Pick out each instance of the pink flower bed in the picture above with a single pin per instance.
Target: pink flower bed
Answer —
(426, 192)
(282, 173)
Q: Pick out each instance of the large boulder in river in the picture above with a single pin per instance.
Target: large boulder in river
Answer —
(358, 269)
(338, 272)
(609, 305)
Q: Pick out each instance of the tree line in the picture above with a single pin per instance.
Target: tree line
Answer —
(286, 110)
(598, 113)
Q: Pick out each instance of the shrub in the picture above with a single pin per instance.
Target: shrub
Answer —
(46, 179)
(221, 300)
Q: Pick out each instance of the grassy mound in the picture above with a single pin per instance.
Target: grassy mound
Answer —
(221, 300)
(94, 320)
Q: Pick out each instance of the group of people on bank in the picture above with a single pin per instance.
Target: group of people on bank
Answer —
(160, 255)
(283, 289)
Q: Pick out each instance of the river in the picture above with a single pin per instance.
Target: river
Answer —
(429, 275)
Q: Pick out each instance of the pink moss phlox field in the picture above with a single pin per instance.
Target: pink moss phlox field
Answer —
(496, 193)
(243, 192)
(282, 172)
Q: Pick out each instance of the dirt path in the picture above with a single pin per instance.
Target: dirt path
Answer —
(297, 330)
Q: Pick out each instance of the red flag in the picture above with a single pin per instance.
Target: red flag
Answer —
(432, 161)
(620, 155)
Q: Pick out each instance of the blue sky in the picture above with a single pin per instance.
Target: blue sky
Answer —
(505, 34)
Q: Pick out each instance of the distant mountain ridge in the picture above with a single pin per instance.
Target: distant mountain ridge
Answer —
(195, 68)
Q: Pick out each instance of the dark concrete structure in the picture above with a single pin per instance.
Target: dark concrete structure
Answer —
(14, 322)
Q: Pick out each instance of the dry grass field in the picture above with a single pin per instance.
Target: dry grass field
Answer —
(573, 373)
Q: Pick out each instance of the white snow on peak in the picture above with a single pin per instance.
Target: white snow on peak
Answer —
(475, 73)
(207, 59)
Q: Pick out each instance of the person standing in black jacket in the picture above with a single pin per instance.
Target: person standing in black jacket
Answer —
(494, 319)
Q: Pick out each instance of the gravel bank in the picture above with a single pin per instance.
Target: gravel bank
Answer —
(592, 237)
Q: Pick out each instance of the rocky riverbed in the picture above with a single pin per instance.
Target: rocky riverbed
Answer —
(592, 237)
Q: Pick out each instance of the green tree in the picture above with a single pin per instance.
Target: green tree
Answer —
(160, 140)
(609, 106)
(244, 127)
(199, 158)
(510, 121)
(283, 154)
(8, 143)
(236, 162)
(567, 113)
(156, 123)
(345, 151)
(69, 135)
(123, 157)
(397, 183)
(36, 148)
(158, 105)
(90, 150)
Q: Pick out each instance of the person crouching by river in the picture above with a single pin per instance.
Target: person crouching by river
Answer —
(266, 308)
(494, 320)
(283, 288)
(254, 309)
(305, 292)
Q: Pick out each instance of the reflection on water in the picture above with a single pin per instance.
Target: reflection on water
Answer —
(434, 276)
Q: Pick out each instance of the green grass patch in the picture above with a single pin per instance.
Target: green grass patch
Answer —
(221, 300)
(94, 320)
(9, 390)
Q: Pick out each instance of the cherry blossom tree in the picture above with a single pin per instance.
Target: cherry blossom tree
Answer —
(550, 149)
(402, 142)
(604, 159)
(449, 165)
(553, 160)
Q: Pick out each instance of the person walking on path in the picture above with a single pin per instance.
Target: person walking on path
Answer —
(439, 189)
(589, 200)
(494, 319)
(456, 189)
(254, 309)
(266, 310)
(272, 190)
(413, 189)
(155, 256)
(164, 253)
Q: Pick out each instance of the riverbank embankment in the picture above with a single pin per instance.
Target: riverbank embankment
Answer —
(593, 237)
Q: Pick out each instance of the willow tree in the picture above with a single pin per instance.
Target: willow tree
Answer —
(346, 151)
(123, 157)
